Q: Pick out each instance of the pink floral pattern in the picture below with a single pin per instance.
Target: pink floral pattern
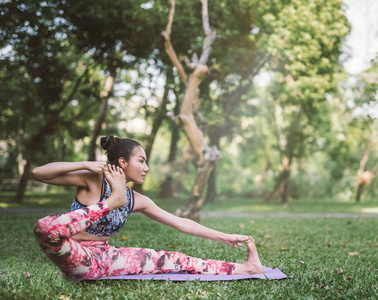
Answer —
(94, 259)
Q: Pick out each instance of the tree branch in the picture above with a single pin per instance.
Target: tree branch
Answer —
(374, 168)
(170, 20)
(210, 35)
(364, 160)
(169, 48)
(80, 113)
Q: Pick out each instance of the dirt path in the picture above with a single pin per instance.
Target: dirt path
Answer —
(286, 214)
(6, 211)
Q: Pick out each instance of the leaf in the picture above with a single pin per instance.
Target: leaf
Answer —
(349, 277)
(284, 249)
(124, 238)
(241, 225)
(301, 262)
(342, 243)
(173, 246)
(340, 271)
(353, 253)
(267, 236)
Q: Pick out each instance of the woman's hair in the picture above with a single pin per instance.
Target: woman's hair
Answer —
(116, 148)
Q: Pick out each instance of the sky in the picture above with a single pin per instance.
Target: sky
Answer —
(362, 43)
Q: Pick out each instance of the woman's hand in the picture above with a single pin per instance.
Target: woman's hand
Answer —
(97, 167)
(237, 240)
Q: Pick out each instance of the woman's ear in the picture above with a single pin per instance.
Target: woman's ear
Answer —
(122, 162)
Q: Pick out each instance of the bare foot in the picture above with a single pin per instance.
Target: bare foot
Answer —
(253, 264)
(116, 178)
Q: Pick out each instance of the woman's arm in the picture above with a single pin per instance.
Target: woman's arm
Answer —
(151, 210)
(69, 173)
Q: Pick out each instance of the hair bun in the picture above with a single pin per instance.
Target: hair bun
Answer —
(106, 141)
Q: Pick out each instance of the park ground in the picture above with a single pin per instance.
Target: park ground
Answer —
(326, 257)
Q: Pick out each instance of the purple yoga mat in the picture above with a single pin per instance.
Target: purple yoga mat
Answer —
(269, 273)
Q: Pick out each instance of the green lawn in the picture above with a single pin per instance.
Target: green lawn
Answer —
(62, 199)
(322, 244)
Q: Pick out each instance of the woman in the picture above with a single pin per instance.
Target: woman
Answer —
(77, 241)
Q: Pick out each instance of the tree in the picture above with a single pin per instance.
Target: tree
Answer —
(50, 74)
(364, 120)
(305, 46)
(64, 49)
(205, 156)
(242, 32)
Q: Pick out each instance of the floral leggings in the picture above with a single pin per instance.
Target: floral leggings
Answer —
(81, 260)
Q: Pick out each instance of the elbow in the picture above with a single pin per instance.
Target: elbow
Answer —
(36, 174)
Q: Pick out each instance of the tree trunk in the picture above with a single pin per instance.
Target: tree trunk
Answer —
(281, 187)
(215, 133)
(161, 114)
(285, 188)
(20, 158)
(48, 128)
(105, 94)
(211, 186)
(166, 189)
(283, 180)
(205, 157)
(96, 131)
(193, 207)
(359, 191)
(364, 177)
(30, 158)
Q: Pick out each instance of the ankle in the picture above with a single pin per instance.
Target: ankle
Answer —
(114, 201)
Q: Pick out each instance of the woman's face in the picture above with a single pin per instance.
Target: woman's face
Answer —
(136, 168)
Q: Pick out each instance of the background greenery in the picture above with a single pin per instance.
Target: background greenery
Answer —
(300, 132)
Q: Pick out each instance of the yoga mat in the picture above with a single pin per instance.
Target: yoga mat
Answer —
(269, 273)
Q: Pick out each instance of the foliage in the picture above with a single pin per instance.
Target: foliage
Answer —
(309, 110)
(45, 76)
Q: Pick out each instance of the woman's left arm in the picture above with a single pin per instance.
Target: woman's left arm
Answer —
(151, 210)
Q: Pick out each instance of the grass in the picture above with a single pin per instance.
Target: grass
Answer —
(322, 244)
(62, 199)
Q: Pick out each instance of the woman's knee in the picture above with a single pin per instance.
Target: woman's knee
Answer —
(40, 229)
(44, 234)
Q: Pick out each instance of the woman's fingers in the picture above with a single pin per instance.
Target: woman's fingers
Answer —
(239, 240)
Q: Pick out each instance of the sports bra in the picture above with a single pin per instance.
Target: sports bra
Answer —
(115, 219)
